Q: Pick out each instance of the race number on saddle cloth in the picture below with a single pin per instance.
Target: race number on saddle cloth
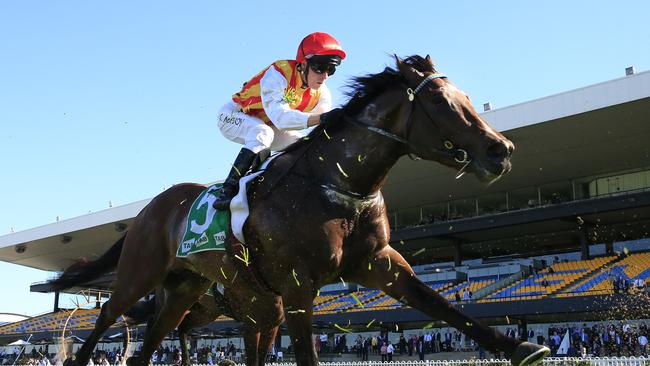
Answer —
(207, 228)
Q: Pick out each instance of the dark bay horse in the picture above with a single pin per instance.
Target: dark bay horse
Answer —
(317, 215)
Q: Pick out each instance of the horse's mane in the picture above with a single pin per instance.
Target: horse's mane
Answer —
(361, 90)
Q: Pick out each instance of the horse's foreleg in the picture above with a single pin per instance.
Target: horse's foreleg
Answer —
(251, 340)
(267, 337)
(390, 273)
(298, 312)
(202, 313)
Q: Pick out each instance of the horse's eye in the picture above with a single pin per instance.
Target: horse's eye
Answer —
(438, 99)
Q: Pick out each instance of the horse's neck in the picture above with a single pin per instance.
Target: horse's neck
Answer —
(357, 159)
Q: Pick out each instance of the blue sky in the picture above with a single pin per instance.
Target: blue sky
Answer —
(114, 100)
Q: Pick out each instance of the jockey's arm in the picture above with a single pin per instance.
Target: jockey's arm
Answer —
(272, 90)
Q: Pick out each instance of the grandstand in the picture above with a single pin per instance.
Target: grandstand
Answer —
(565, 279)
(540, 246)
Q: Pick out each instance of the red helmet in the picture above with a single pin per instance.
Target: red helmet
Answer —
(319, 43)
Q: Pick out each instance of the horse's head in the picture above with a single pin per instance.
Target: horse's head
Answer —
(442, 125)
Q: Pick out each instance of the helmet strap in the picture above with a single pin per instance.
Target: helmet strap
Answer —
(304, 74)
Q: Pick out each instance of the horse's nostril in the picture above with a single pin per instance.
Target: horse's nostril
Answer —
(499, 151)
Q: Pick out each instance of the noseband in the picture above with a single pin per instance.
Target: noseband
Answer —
(458, 155)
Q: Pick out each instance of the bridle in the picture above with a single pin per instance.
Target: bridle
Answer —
(449, 151)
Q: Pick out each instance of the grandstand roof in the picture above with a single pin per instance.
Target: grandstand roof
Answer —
(585, 132)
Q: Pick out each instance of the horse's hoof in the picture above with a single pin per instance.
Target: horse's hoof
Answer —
(529, 354)
(133, 361)
(226, 362)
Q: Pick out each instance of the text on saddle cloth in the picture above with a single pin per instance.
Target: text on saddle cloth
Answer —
(206, 228)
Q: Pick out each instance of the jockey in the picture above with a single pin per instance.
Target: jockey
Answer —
(270, 109)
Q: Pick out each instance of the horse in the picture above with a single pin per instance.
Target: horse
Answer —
(317, 216)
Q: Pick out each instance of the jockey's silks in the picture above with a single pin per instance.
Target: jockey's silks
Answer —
(300, 99)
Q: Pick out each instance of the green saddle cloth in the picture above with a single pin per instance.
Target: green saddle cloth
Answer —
(206, 227)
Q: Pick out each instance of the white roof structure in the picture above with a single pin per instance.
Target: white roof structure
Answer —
(581, 100)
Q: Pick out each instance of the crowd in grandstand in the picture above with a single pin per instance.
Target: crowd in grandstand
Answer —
(602, 339)
(212, 354)
(606, 339)
(412, 344)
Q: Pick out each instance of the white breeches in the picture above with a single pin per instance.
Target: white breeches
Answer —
(251, 131)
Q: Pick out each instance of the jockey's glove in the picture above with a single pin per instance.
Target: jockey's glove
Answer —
(331, 116)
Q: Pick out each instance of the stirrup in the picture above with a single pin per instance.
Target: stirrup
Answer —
(223, 201)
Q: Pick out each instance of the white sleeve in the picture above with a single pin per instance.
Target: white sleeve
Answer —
(272, 88)
(325, 101)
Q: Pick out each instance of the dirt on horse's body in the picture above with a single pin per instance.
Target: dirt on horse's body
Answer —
(317, 216)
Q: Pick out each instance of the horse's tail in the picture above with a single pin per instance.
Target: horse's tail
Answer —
(84, 271)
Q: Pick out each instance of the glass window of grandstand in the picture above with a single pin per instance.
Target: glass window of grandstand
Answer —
(432, 214)
(555, 193)
(492, 204)
(581, 189)
(619, 184)
(406, 217)
(523, 198)
(462, 208)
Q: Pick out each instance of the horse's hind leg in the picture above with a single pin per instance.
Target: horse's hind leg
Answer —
(185, 290)
(107, 317)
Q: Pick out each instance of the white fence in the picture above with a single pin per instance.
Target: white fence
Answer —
(549, 361)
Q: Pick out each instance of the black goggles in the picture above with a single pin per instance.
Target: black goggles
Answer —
(322, 68)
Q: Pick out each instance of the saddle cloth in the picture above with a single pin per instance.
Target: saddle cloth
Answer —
(207, 228)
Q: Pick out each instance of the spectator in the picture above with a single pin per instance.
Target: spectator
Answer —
(402, 344)
(420, 348)
(639, 284)
(366, 349)
(389, 352)
(466, 295)
(323, 342)
(643, 344)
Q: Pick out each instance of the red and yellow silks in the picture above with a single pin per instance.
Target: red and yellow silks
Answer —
(300, 99)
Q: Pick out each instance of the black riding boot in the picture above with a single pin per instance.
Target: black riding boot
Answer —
(230, 187)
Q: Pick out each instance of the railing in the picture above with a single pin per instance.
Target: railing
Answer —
(550, 361)
(478, 210)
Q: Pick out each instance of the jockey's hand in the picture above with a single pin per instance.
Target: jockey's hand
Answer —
(331, 116)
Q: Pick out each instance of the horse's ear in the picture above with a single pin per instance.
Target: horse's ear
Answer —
(430, 62)
(411, 74)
